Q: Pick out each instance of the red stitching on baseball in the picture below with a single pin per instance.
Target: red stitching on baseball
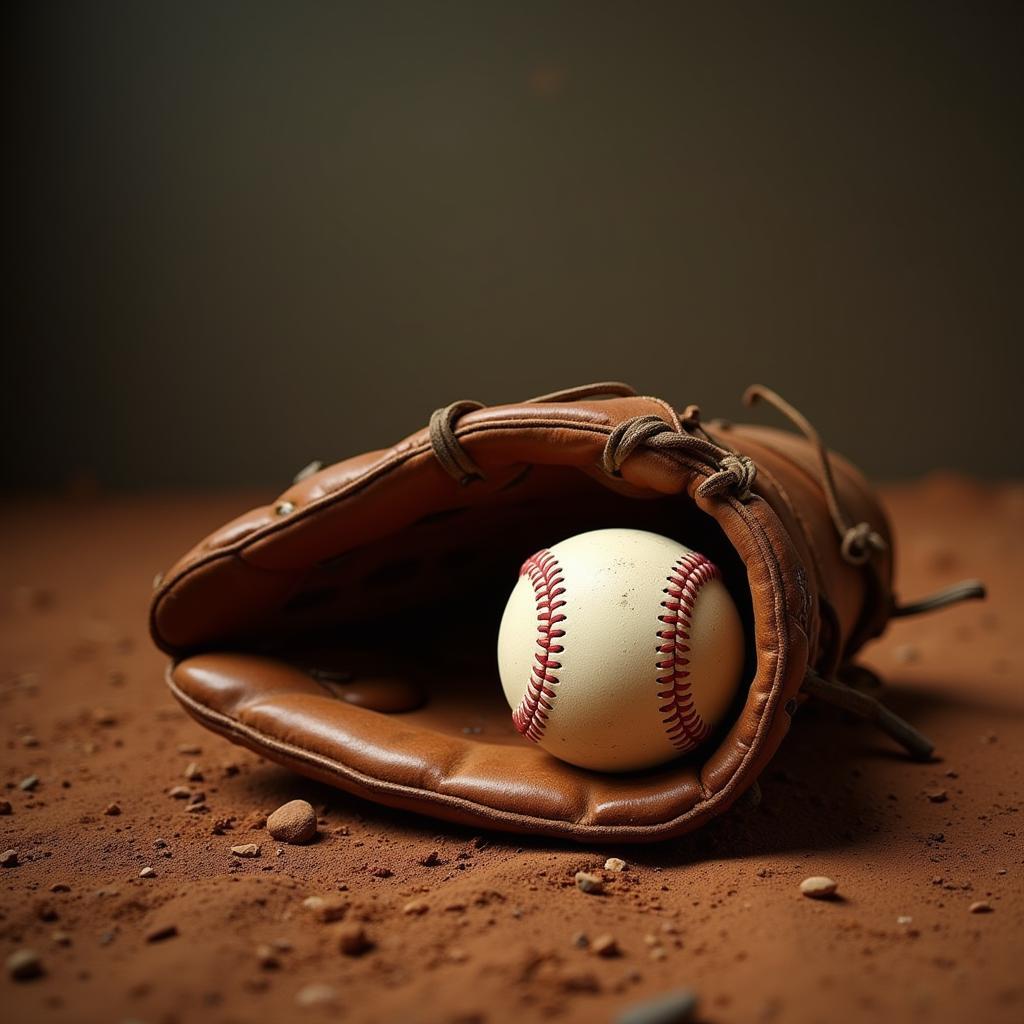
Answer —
(531, 716)
(683, 722)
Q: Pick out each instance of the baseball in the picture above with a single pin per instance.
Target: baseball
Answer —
(619, 649)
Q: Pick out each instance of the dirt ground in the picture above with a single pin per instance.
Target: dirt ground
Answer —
(83, 709)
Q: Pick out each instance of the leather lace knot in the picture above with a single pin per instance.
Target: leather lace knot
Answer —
(731, 471)
(627, 437)
(859, 542)
(452, 456)
(735, 473)
(455, 460)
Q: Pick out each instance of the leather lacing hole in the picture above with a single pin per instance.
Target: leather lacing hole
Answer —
(284, 508)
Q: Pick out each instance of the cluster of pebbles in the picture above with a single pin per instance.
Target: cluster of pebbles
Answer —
(294, 823)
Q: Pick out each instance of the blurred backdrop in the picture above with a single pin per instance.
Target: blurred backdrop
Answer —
(246, 235)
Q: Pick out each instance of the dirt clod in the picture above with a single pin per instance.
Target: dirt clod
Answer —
(267, 958)
(325, 909)
(589, 883)
(353, 940)
(24, 964)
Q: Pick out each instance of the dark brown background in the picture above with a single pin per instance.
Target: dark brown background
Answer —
(247, 235)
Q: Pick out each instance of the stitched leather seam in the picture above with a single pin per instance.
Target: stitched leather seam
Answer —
(683, 723)
(545, 574)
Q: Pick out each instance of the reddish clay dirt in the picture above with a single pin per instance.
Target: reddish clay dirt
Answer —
(911, 846)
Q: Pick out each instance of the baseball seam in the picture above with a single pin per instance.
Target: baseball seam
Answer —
(682, 720)
(545, 574)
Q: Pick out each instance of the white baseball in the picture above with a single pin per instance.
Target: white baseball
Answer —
(619, 649)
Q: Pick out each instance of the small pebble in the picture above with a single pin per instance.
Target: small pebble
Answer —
(615, 864)
(353, 940)
(24, 964)
(293, 822)
(29, 741)
(147, 872)
(102, 716)
(112, 810)
(60, 887)
(61, 938)
(431, 860)
(904, 919)
(246, 850)
(5, 807)
(9, 859)
(416, 908)
(267, 958)
(937, 796)
(179, 792)
(606, 946)
(316, 995)
(671, 1008)
(980, 907)
(818, 887)
(325, 910)
(29, 783)
(193, 772)
(189, 748)
(161, 932)
(589, 883)
(580, 940)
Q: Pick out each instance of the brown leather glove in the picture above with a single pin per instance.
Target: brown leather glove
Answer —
(348, 630)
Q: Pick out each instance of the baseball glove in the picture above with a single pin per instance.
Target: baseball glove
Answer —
(348, 630)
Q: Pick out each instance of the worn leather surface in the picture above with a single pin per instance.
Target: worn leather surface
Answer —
(384, 567)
